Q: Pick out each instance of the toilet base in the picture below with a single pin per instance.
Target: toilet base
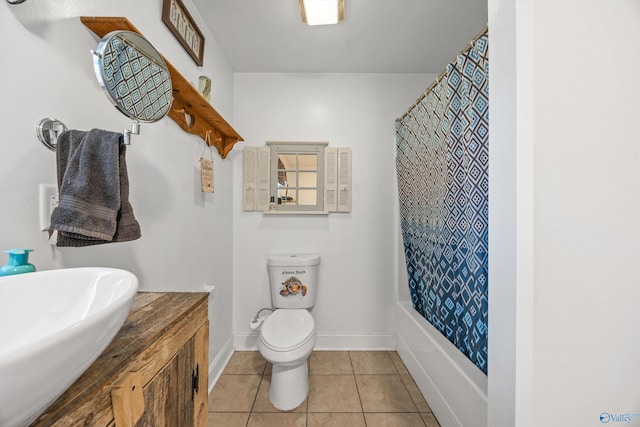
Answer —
(289, 385)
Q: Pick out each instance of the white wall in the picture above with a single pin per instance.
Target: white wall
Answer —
(575, 204)
(510, 216)
(47, 72)
(586, 238)
(355, 307)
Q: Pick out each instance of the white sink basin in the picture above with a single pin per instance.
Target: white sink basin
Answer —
(53, 326)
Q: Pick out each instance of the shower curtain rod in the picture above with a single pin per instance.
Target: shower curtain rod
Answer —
(430, 88)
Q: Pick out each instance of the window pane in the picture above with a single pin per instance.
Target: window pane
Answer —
(309, 162)
(308, 179)
(307, 197)
(292, 180)
(283, 179)
(287, 196)
(287, 161)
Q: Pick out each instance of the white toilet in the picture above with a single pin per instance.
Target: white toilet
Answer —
(288, 335)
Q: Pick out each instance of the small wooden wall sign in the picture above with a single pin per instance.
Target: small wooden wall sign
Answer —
(179, 21)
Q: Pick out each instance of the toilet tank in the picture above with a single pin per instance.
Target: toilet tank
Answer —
(293, 280)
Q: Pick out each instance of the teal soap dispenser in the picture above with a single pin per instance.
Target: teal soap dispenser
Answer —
(18, 262)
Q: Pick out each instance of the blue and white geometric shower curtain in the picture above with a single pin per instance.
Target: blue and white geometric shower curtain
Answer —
(442, 169)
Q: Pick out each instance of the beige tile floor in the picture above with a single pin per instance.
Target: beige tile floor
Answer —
(346, 389)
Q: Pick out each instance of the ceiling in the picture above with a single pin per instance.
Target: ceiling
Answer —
(377, 36)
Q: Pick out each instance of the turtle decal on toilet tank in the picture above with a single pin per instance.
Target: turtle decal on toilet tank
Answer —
(293, 286)
(293, 281)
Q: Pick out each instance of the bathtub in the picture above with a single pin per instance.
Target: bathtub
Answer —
(454, 387)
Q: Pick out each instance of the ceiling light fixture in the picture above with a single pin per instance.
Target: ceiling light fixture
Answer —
(322, 12)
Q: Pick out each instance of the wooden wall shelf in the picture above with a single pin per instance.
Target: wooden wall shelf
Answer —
(205, 120)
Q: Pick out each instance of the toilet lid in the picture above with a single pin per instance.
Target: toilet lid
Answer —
(287, 328)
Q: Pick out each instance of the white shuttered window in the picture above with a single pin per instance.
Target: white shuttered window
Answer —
(296, 177)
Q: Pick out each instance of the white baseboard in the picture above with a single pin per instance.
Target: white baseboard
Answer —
(245, 342)
(382, 341)
(219, 362)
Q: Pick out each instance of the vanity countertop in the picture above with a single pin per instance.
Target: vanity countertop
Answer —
(157, 325)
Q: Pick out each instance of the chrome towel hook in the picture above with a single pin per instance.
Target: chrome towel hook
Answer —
(48, 130)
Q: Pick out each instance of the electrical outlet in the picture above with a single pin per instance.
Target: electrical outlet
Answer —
(48, 200)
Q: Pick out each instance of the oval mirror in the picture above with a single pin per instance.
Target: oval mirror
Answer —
(133, 75)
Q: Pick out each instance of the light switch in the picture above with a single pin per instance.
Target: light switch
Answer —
(48, 200)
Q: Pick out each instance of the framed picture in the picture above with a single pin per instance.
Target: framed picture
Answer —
(177, 18)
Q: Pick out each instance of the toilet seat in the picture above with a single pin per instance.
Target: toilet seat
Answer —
(287, 330)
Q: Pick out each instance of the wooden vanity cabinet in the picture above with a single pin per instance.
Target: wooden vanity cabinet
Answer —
(162, 349)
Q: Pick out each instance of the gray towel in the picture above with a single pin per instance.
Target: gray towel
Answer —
(93, 183)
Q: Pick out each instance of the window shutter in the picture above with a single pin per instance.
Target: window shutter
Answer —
(255, 178)
(262, 195)
(344, 179)
(249, 175)
(331, 179)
